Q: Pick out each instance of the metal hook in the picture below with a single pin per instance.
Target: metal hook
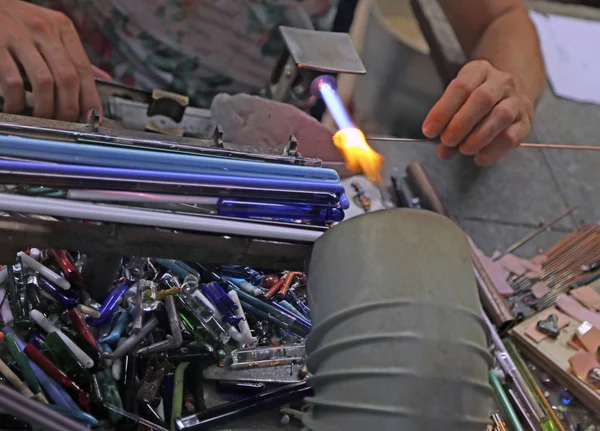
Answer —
(291, 149)
(218, 136)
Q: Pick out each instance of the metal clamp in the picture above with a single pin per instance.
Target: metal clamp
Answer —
(170, 105)
(291, 149)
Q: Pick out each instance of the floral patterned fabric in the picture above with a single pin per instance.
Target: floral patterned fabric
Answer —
(193, 47)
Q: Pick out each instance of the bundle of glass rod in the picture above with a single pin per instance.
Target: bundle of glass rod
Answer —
(572, 262)
(171, 177)
(142, 354)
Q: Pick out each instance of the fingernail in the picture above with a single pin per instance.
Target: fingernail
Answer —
(429, 129)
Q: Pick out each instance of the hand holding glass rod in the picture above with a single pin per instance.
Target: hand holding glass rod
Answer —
(524, 144)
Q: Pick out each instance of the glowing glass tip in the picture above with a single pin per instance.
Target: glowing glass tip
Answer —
(359, 156)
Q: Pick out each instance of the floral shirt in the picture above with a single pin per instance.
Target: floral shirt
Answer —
(194, 47)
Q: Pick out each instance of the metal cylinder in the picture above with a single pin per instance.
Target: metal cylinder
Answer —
(398, 342)
(492, 302)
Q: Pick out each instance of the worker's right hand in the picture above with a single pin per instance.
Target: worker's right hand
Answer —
(45, 44)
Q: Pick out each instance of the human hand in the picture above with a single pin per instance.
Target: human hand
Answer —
(46, 45)
(481, 113)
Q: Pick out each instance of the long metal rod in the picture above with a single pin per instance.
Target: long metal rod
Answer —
(519, 405)
(537, 231)
(510, 368)
(561, 146)
(524, 144)
(134, 417)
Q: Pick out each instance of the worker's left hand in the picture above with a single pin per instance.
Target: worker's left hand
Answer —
(481, 113)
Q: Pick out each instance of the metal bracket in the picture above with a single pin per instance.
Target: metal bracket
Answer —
(94, 120)
(291, 149)
(218, 136)
(168, 105)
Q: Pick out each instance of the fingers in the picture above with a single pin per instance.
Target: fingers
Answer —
(101, 74)
(501, 116)
(66, 80)
(12, 84)
(506, 141)
(42, 81)
(88, 94)
(478, 105)
(446, 153)
(455, 96)
(481, 113)
(46, 45)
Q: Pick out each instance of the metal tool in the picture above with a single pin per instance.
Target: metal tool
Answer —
(524, 144)
(136, 418)
(267, 356)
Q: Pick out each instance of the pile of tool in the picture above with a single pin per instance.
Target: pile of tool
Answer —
(122, 359)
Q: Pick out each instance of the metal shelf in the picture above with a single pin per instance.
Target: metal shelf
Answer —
(19, 232)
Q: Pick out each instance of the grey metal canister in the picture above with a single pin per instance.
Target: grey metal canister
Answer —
(398, 342)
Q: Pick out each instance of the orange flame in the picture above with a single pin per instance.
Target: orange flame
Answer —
(359, 156)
